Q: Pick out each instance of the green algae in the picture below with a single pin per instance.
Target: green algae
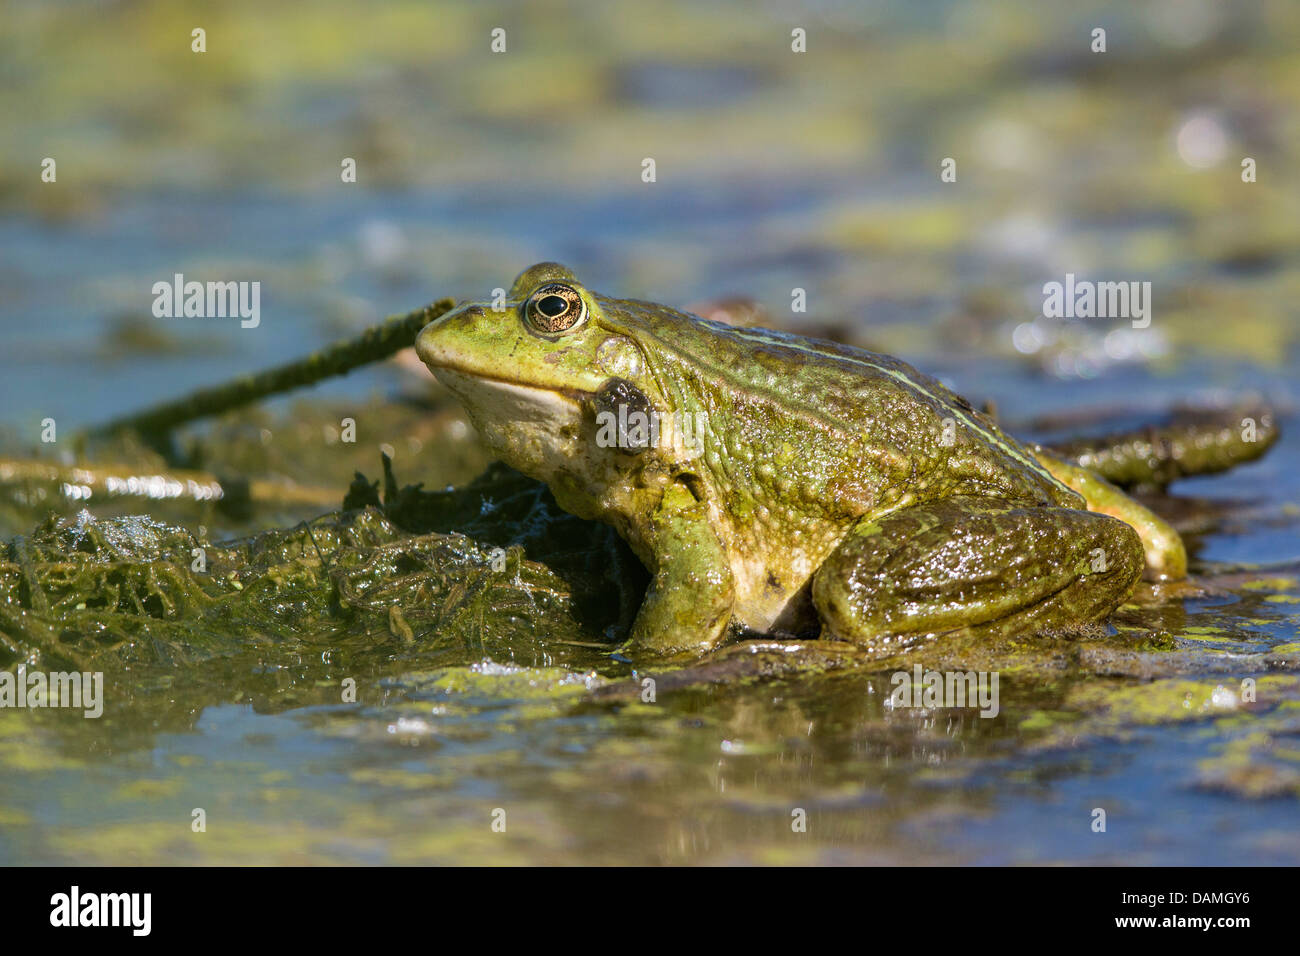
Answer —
(121, 591)
(1272, 584)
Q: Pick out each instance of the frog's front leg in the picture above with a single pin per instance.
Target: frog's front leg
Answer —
(975, 563)
(688, 604)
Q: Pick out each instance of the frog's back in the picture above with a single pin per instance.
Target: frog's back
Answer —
(836, 431)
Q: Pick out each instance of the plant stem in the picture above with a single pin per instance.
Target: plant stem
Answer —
(378, 342)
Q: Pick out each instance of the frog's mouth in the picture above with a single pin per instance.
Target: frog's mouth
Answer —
(457, 378)
(509, 411)
(452, 368)
(511, 402)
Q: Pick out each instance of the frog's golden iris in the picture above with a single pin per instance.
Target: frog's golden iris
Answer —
(837, 489)
(555, 308)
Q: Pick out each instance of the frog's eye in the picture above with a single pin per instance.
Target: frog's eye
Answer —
(555, 308)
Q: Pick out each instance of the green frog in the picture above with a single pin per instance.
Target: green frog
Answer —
(786, 485)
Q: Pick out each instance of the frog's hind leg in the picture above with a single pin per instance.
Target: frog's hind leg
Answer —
(1199, 443)
(1166, 556)
(968, 562)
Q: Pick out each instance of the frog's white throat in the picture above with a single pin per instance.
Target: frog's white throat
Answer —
(535, 430)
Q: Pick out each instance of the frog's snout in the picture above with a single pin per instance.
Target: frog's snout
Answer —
(434, 343)
(427, 344)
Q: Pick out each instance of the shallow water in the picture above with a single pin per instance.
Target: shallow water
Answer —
(759, 193)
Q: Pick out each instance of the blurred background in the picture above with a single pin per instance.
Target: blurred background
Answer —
(775, 170)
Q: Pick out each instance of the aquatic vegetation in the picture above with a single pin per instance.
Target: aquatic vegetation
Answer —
(377, 578)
